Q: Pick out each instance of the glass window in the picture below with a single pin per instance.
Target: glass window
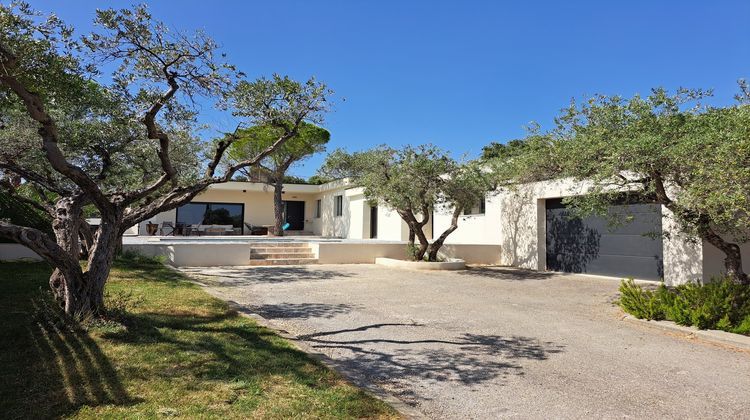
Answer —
(339, 205)
(317, 209)
(211, 214)
(476, 209)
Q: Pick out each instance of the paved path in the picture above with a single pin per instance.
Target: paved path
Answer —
(493, 342)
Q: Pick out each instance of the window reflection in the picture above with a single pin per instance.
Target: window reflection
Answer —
(211, 214)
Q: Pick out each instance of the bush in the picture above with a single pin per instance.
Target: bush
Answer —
(412, 250)
(133, 257)
(641, 303)
(721, 304)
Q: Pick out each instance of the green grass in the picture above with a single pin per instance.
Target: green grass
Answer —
(176, 352)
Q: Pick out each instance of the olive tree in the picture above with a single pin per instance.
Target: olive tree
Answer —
(693, 160)
(309, 140)
(413, 181)
(128, 148)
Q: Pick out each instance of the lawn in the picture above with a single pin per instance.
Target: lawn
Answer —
(177, 352)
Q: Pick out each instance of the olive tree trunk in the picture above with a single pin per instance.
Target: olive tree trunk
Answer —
(438, 243)
(415, 228)
(278, 208)
(732, 255)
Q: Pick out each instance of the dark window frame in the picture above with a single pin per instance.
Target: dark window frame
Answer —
(318, 208)
(208, 203)
(338, 205)
(481, 210)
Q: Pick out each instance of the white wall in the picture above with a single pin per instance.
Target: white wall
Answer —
(14, 252)
(259, 208)
(473, 228)
(515, 219)
(329, 224)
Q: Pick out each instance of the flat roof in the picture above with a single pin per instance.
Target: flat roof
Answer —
(288, 188)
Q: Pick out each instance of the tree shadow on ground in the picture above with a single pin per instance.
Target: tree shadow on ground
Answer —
(244, 276)
(59, 369)
(507, 273)
(224, 346)
(396, 363)
(300, 310)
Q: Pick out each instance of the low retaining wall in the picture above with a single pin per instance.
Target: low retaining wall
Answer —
(357, 253)
(15, 252)
(472, 253)
(422, 265)
(229, 254)
(198, 255)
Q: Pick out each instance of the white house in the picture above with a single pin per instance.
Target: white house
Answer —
(524, 227)
(529, 224)
(336, 210)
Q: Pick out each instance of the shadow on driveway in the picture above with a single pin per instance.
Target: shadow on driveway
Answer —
(300, 310)
(506, 273)
(245, 276)
(383, 357)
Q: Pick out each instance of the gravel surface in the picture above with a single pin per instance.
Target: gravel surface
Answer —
(492, 342)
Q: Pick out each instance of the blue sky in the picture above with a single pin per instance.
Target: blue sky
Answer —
(464, 73)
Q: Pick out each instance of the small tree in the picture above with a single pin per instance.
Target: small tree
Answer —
(465, 187)
(412, 181)
(693, 161)
(309, 140)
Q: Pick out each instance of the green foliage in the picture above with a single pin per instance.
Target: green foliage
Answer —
(664, 148)
(292, 179)
(132, 257)
(407, 178)
(414, 181)
(640, 302)
(412, 251)
(721, 304)
(22, 214)
(318, 179)
(505, 150)
(308, 140)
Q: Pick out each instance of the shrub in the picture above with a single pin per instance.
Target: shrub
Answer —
(743, 327)
(133, 257)
(721, 304)
(412, 250)
(639, 302)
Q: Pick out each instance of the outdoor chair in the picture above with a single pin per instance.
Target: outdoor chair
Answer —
(256, 230)
(188, 230)
(167, 229)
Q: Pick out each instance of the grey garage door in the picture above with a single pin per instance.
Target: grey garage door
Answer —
(590, 245)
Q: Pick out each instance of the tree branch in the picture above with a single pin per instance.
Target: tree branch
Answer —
(48, 131)
(40, 243)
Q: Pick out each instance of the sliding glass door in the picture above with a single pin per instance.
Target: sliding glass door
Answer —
(212, 214)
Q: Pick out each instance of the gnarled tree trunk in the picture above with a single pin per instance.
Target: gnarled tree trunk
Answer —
(66, 225)
(278, 207)
(415, 227)
(732, 255)
(438, 243)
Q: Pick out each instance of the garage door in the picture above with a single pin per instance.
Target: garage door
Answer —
(590, 245)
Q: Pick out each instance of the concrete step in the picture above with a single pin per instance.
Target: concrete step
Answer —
(280, 255)
(280, 245)
(278, 249)
(283, 261)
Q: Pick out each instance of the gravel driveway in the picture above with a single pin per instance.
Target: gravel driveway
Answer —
(492, 342)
